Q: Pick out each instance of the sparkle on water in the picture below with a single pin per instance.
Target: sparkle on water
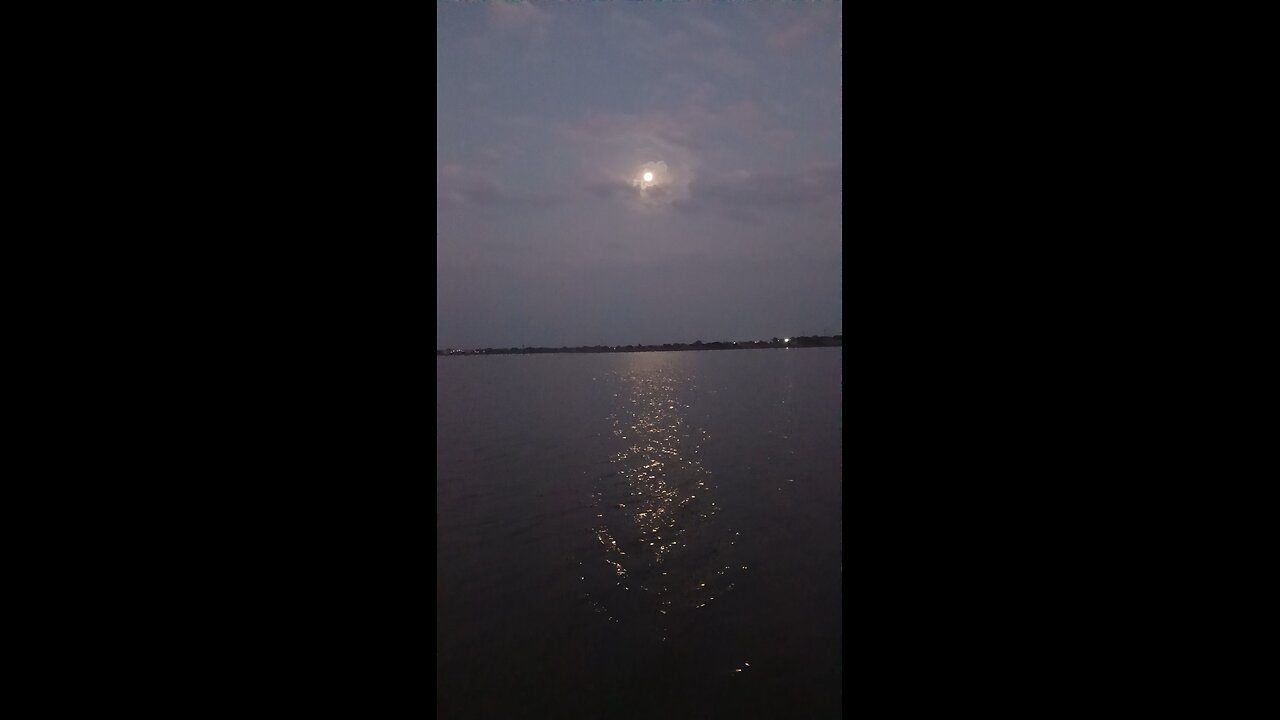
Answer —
(664, 536)
(663, 590)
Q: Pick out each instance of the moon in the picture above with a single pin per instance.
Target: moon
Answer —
(648, 177)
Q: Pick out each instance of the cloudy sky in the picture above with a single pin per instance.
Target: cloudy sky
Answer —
(637, 172)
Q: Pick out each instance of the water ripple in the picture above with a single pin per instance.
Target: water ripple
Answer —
(657, 529)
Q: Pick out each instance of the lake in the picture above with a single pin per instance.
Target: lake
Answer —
(639, 535)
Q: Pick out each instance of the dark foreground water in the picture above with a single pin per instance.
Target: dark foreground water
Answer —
(640, 535)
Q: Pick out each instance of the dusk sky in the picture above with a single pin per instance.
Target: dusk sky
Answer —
(637, 172)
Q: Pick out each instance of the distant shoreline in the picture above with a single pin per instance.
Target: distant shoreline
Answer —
(795, 342)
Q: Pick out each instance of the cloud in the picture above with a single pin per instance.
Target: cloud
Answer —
(461, 187)
(517, 16)
(772, 191)
(630, 24)
(814, 20)
(479, 192)
(615, 149)
(658, 172)
(653, 194)
(610, 187)
(724, 60)
(520, 21)
(652, 126)
(708, 29)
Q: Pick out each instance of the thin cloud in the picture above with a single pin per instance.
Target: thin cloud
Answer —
(708, 29)
(505, 16)
(734, 194)
(458, 187)
(629, 23)
(793, 35)
(610, 188)
(614, 149)
(655, 195)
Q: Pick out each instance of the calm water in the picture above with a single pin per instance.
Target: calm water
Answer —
(635, 535)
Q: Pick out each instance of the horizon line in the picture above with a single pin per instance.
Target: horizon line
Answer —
(774, 342)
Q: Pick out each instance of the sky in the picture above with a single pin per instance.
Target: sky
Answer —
(637, 172)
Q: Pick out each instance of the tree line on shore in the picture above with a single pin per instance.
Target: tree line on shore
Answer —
(803, 341)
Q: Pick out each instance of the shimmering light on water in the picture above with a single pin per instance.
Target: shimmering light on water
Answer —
(664, 519)
(617, 534)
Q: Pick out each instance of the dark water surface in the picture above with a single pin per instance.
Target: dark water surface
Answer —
(635, 535)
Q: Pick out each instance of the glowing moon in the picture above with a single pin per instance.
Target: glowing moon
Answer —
(653, 182)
